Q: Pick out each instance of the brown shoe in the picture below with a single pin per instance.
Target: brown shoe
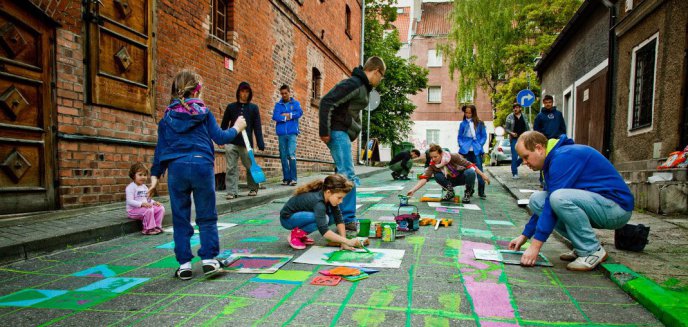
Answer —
(252, 193)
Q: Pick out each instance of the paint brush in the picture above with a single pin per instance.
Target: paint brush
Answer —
(364, 248)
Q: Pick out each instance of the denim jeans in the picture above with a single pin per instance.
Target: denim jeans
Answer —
(304, 220)
(578, 212)
(195, 175)
(340, 148)
(467, 178)
(232, 154)
(477, 159)
(515, 159)
(287, 150)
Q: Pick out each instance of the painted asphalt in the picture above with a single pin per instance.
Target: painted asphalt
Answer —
(128, 281)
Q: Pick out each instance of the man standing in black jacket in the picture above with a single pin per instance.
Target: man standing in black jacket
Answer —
(237, 149)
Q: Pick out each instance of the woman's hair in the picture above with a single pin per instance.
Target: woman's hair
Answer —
(137, 167)
(184, 84)
(474, 113)
(435, 148)
(334, 183)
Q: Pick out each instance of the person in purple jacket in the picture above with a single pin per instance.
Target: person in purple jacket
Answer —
(286, 115)
(582, 191)
(185, 149)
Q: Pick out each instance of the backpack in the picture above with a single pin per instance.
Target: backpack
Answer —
(631, 237)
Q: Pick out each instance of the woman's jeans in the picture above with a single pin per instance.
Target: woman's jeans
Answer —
(578, 212)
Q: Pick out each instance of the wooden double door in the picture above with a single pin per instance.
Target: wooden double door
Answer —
(27, 157)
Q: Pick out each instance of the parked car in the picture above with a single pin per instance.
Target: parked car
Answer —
(501, 152)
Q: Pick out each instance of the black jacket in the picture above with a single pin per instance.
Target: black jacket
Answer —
(251, 114)
(340, 107)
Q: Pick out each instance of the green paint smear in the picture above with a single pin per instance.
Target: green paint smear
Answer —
(350, 256)
(256, 221)
(453, 243)
(379, 299)
(450, 301)
(287, 275)
(169, 262)
(76, 300)
(433, 321)
(451, 252)
(415, 240)
(237, 303)
(476, 233)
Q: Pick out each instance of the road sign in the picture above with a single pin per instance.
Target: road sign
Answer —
(373, 100)
(525, 98)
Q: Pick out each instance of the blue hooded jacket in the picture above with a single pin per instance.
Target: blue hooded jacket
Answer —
(574, 166)
(465, 141)
(286, 126)
(551, 123)
(182, 134)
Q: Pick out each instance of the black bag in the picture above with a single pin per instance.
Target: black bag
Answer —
(631, 237)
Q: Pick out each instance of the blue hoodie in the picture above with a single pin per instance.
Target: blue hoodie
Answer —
(286, 126)
(574, 166)
(550, 122)
(182, 134)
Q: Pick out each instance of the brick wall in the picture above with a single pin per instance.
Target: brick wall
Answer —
(279, 43)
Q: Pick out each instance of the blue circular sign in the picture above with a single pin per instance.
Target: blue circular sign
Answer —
(525, 98)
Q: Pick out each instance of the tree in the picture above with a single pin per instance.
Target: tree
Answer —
(391, 122)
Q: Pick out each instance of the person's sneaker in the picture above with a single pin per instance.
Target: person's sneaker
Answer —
(395, 176)
(589, 262)
(482, 196)
(184, 272)
(307, 240)
(568, 256)
(515, 177)
(351, 226)
(295, 239)
(449, 196)
(404, 178)
(231, 196)
(211, 267)
(467, 196)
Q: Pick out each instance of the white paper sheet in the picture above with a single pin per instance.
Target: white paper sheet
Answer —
(384, 258)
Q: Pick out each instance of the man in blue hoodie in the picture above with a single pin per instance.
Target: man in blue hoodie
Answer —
(582, 191)
(340, 124)
(286, 115)
(549, 121)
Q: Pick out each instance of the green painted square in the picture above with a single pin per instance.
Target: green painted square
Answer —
(169, 262)
(76, 300)
(476, 233)
(287, 275)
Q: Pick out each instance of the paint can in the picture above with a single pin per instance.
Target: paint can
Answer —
(364, 227)
(389, 232)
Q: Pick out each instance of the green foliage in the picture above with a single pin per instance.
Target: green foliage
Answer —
(391, 121)
(493, 44)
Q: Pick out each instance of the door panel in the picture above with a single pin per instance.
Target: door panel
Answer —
(590, 107)
(26, 140)
(120, 50)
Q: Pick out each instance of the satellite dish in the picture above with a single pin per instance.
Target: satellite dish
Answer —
(499, 131)
(373, 100)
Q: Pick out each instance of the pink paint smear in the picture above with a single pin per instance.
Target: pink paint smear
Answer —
(490, 298)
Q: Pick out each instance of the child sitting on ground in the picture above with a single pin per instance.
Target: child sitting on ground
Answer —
(139, 206)
(316, 206)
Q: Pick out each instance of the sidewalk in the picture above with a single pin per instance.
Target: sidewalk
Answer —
(664, 260)
(32, 235)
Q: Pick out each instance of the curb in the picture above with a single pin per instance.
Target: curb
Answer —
(115, 228)
(670, 307)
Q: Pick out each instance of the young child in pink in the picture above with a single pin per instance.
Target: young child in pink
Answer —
(139, 206)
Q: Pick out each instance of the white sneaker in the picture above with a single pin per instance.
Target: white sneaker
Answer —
(589, 262)
(568, 256)
(515, 177)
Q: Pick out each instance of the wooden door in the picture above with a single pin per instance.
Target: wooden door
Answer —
(120, 39)
(26, 114)
(590, 106)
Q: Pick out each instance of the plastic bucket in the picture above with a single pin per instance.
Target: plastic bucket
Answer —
(364, 227)
(403, 200)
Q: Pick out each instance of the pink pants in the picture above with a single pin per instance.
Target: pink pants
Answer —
(151, 217)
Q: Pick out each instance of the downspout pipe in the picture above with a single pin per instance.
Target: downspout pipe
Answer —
(611, 77)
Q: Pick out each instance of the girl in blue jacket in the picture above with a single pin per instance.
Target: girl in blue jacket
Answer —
(472, 138)
(185, 148)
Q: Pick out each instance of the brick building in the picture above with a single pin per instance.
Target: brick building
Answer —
(437, 116)
(83, 84)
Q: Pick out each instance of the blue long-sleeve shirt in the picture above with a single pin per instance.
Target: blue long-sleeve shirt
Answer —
(466, 141)
(550, 122)
(287, 125)
(182, 134)
(575, 166)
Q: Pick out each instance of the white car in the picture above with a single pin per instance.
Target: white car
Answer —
(501, 152)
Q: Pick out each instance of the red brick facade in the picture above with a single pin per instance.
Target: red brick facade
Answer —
(279, 42)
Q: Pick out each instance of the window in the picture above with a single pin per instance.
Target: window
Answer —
(432, 136)
(222, 20)
(348, 22)
(467, 97)
(434, 94)
(434, 58)
(642, 86)
(316, 81)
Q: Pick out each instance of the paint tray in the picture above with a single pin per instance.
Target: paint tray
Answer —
(508, 257)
